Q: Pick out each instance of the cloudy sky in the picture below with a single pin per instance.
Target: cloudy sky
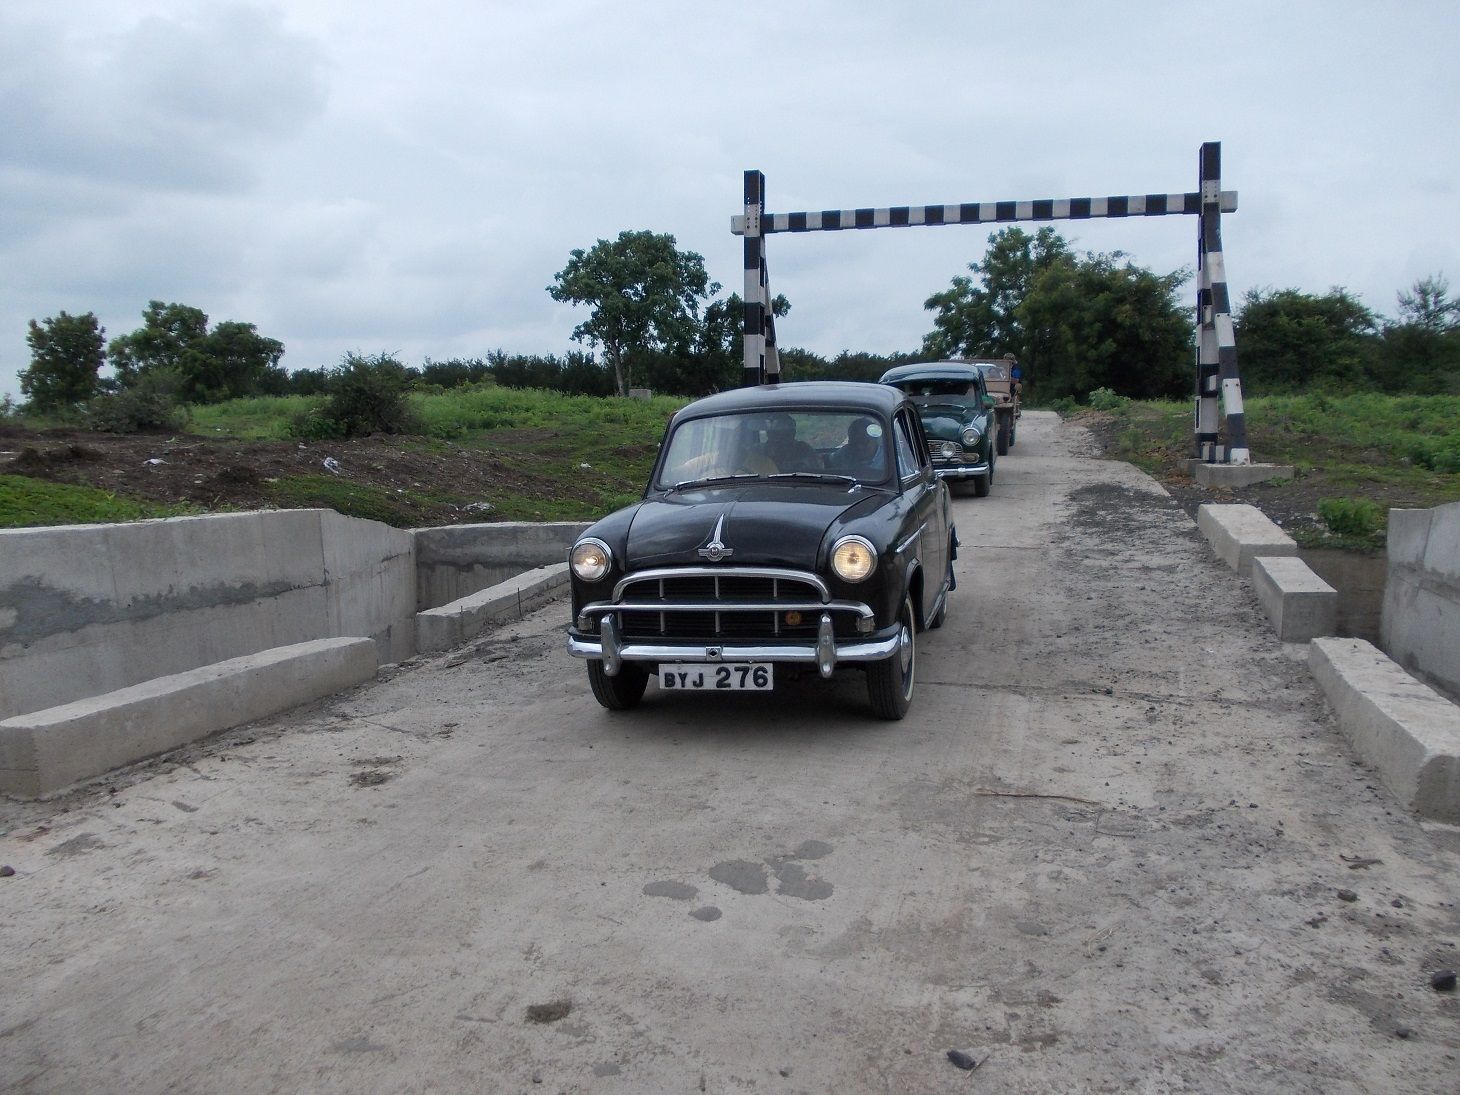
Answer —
(353, 175)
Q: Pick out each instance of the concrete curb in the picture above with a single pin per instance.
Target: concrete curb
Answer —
(1235, 476)
(1240, 533)
(1405, 729)
(1300, 604)
(47, 750)
(451, 625)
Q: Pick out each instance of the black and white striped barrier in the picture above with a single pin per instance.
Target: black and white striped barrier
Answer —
(1217, 377)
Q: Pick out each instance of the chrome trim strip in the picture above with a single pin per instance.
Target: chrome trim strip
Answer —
(604, 608)
(874, 651)
(805, 577)
(913, 536)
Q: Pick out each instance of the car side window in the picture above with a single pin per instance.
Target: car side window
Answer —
(908, 464)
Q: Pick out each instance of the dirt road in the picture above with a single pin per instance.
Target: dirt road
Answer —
(1118, 845)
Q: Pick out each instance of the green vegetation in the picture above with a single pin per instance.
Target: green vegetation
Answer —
(25, 502)
(364, 395)
(1076, 323)
(645, 295)
(1355, 456)
(260, 418)
(66, 353)
(1103, 399)
(1352, 516)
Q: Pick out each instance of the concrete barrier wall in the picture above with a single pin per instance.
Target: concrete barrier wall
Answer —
(456, 561)
(1420, 624)
(87, 609)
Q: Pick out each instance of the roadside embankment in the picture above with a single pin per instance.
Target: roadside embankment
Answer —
(91, 613)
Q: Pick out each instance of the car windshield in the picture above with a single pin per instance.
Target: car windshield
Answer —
(928, 392)
(994, 372)
(801, 446)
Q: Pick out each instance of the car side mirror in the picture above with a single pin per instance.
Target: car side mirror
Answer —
(989, 403)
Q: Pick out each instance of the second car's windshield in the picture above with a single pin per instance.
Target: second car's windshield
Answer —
(927, 392)
(833, 443)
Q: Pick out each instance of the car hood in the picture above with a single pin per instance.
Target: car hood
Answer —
(944, 424)
(763, 524)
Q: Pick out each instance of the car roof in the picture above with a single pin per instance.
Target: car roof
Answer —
(801, 395)
(932, 370)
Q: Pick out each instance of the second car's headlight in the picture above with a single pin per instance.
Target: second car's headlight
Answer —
(590, 559)
(853, 558)
(971, 435)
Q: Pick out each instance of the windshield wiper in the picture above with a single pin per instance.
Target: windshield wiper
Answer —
(687, 483)
(819, 475)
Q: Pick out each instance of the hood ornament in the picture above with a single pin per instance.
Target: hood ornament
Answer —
(715, 550)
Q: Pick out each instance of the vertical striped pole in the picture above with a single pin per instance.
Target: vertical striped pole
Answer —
(1215, 267)
(754, 324)
(1208, 365)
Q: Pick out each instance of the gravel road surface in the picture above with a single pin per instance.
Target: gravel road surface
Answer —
(1117, 846)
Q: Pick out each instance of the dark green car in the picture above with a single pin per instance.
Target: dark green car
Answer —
(958, 416)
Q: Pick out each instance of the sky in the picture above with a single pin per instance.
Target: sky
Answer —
(349, 175)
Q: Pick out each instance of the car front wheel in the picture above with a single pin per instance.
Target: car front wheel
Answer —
(890, 682)
(621, 691)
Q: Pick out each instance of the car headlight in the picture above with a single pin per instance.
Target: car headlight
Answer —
(590, 559)
(971, 436)
(853, 558)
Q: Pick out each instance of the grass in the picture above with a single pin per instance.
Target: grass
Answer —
(1355, 456)
(265, 418)
(26, 502)
(1354, 440)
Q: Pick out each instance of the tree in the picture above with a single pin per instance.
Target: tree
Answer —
(1289, 340)
(645, 294)
(981, 320)
(1420, 352)
(66, 353)
(229, 361)
(1099, 322)
(1428, 305)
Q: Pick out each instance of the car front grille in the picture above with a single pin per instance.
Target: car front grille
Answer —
(945, 453)
(671, 605)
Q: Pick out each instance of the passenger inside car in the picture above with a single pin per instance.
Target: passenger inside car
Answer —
(785, 451)
(863, 456)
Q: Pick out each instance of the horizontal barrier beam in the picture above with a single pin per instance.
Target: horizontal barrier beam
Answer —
(1045, 209)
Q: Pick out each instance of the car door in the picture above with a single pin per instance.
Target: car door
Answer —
(927, 497)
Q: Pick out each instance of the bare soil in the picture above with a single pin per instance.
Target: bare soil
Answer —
(433, 483)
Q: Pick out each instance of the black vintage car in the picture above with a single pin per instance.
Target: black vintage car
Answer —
(783, 528)
(958, 415)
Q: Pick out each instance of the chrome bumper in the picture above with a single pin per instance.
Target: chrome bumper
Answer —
(961, 471)
(824, 653)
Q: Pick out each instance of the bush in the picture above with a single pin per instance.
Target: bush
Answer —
(1103, 399)
(150, 403)
(365, 395)
(1064, 406)
(1351, 516)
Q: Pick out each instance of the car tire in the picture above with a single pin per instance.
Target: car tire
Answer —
(623, 690)
(1013, 433)
(890, 682)
(1002, 443)
(982, 484)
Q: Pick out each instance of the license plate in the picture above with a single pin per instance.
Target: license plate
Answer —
(717, 677)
